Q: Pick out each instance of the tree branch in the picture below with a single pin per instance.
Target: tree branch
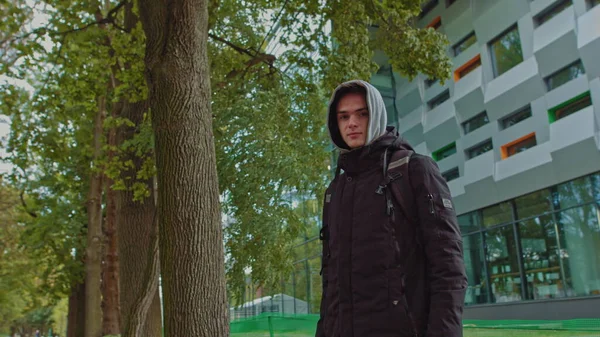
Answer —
(33, 215)
(110, 18)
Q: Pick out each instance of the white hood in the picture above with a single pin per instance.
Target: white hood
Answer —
(377, 116)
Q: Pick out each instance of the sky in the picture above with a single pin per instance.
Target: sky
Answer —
(39, 20)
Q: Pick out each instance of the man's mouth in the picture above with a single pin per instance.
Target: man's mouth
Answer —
(354, 135)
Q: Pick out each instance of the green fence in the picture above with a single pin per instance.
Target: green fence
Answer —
(269, 325)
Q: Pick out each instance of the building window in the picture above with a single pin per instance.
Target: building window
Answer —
(542, 245)
(439, 99)
(435, 23)
(428, 7)
(444, 152)
(469, 222)
(465, 43)
(475, 122)
(451, 174)
(480, 149)
(466, 68)
(519, 145)
(506, 51)
(429, 82)
(516, 117)
(552, 11)
(564, 75)
(497, 215)
(570, 107)
(478, 286)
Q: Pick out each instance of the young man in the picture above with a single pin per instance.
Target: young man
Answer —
(392, 249)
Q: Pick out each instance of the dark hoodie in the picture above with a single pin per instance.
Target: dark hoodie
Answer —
(373, 285)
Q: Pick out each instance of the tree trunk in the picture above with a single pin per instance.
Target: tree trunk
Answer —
(147, 295)
(190, 234)
(111, 317)
(135, 223)
(93, 258)
(76, 315)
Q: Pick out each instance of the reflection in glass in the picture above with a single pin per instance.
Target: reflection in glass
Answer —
(469, 222)
(565, 75)
(580, 243)
(533, 204)
(497, 214)
(540, 258)
(572, 193)
(474, 262)
(503, 265)
(506, 51)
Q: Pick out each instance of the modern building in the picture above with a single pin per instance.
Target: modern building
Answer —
(515, 133)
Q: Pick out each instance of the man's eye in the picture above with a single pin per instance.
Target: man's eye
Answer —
(365, 114)
(343, 117)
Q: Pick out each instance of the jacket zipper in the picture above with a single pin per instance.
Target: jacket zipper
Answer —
(431, 205)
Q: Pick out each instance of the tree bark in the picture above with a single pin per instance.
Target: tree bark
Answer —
(135, 223)
(111, 317)
(93, 258)
(190, 234)
(135, 327)
(76, 315)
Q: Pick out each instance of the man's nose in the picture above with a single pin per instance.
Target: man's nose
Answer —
(353, 121)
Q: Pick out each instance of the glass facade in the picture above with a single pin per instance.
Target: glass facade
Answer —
(506, 51)
(542, 245)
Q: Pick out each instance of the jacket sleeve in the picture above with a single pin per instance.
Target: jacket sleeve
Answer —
(442, 243)
(324, 236)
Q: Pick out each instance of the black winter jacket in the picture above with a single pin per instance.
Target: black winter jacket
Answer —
(378, 286)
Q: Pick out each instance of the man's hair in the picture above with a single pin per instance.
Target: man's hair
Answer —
(345, 89)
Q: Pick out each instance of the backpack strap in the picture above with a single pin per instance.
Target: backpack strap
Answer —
(398, 172)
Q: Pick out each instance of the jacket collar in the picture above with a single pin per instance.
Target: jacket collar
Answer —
(367, 157)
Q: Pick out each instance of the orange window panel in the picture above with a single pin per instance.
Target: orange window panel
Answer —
(518, 145)
(435, 23)
(466, 68)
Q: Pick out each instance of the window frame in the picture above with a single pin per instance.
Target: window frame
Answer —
(552, 112)
(436, 155)
(483, 113)
(467, 68)
(436, 23)
(506, 148)
(469, 151)
(514, 114)
(567, 67)
(493, 55)
(437, 98)
(463, 40)
(550, 12)
(453, 172)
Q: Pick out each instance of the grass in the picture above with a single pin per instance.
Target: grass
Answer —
(468, 333)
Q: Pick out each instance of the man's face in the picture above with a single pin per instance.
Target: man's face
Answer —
(353, 119)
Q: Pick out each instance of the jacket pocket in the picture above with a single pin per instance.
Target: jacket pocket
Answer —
(401, 318)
